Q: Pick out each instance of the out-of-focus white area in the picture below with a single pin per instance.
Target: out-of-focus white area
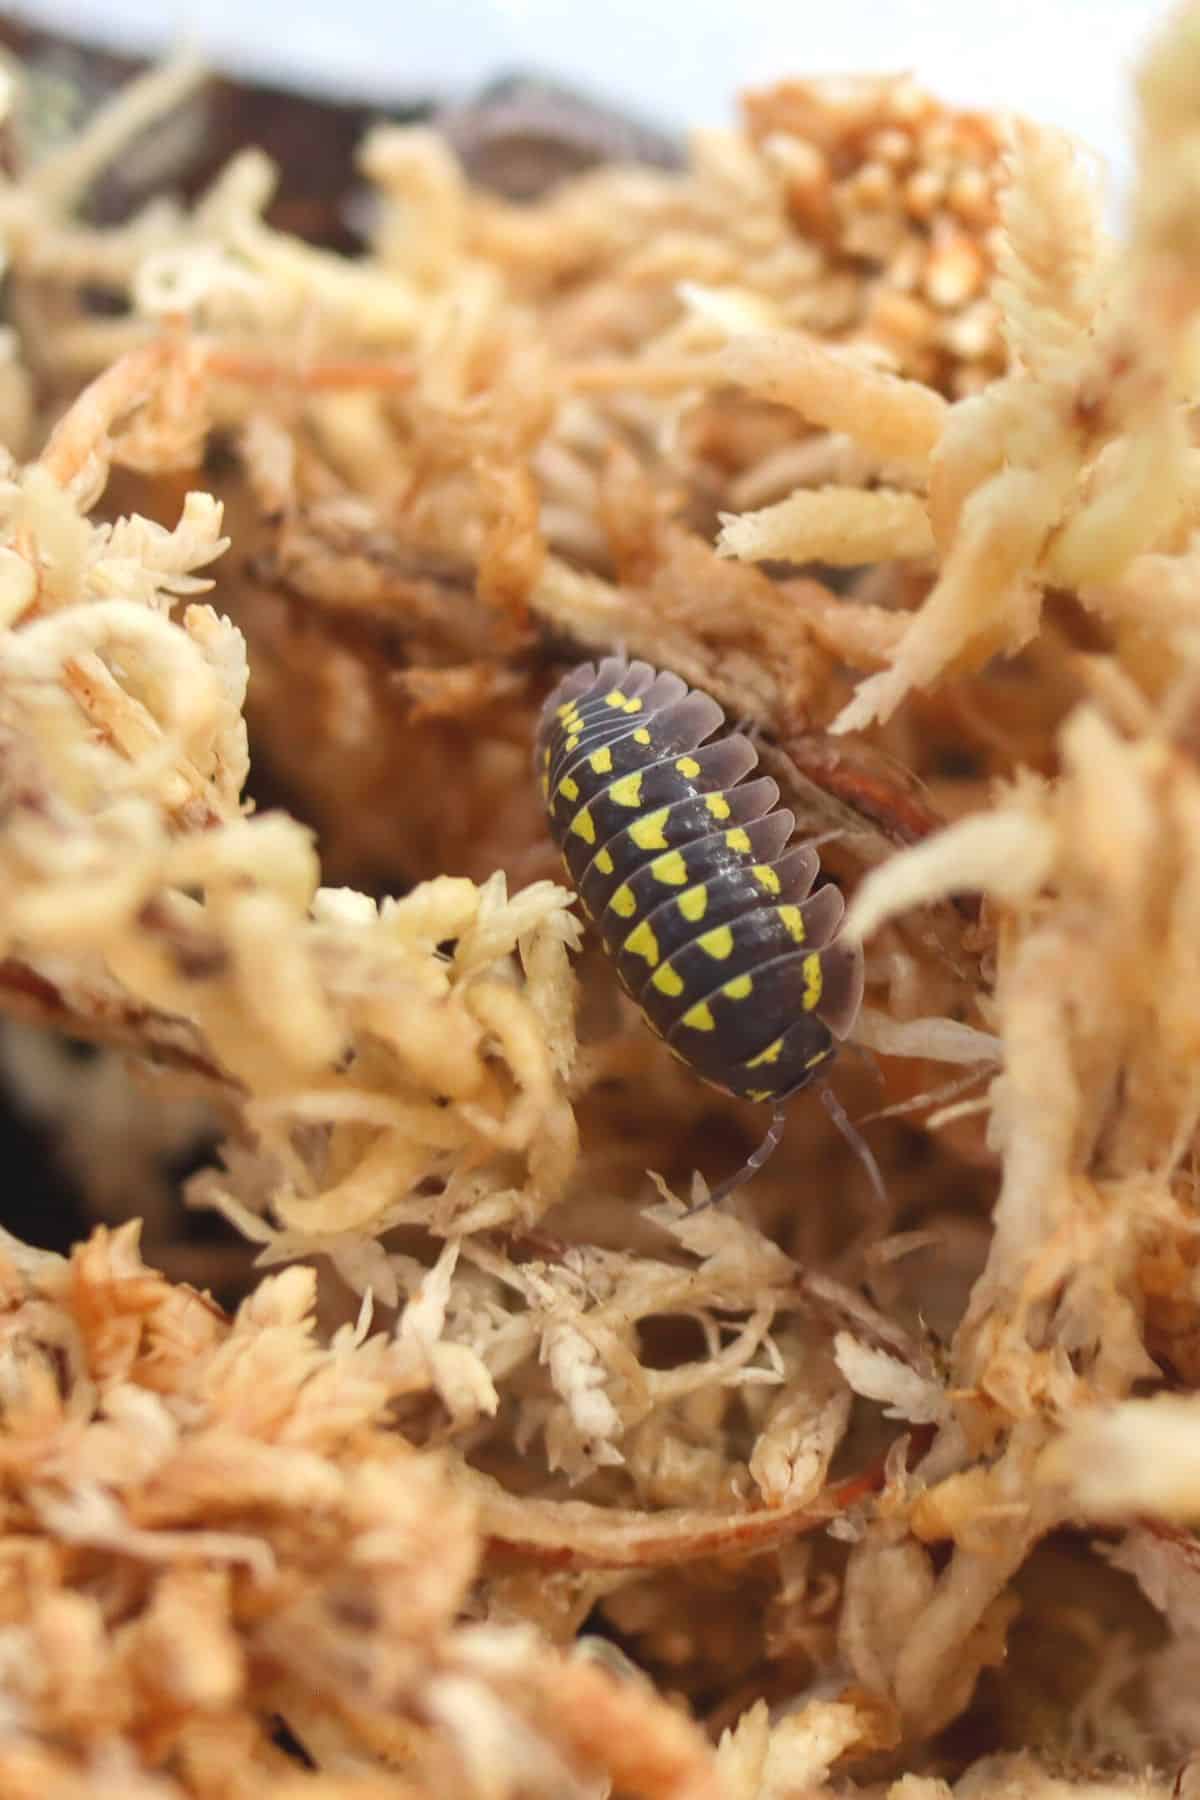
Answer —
(677, 62)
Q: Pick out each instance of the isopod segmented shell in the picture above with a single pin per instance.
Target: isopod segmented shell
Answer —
(682, 863)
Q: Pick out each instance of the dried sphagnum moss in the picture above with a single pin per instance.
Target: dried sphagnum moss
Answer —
(795, 1458)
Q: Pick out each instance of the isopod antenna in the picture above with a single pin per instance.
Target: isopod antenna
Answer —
(858, 1144)
(749, 1168)
(774, 1138)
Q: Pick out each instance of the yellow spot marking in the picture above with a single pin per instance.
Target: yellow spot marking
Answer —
(616, 698)
(546, 757)
(632, 706)
(670, 869)
(604, 862)
(667, 981)
(760, 1094)
(819, 1057)
(545, 787)
(568, 789)
(766, 877)
(641, 735)
(694, 904)
(583, 826)
(567, 708)
(717, 805)
(769, 1055)
(813, 982)
(717, 943)
(600, 761)
(793, 918)
(738, 840)
(698, 1017)
(647, 834)
(627, 791)
(738, 988)
(642, 942)
(687, 765)
(623, 902)
(572, 742)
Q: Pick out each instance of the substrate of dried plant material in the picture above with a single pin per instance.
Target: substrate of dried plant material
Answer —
(211, 1533)
(816, 1471)
(1073, 471)
(409, 1066)
(450, 402)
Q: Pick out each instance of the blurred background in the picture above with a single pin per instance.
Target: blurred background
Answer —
(676, 62)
